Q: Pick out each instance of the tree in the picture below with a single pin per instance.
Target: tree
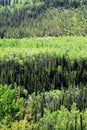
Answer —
(10, 104)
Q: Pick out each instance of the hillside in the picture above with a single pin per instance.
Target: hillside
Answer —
(20, 18)
(43, 64)
(43, 83)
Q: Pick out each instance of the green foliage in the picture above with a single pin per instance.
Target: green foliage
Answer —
(48, 102)
(43, 63)
(10, 105)
(36, 68)
(54, 117)
(43, 18)
(63, 119)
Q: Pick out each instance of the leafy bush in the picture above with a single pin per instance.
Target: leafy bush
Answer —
(10, 105)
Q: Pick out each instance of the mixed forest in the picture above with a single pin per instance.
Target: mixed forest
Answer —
(43, 64)
(42, 18)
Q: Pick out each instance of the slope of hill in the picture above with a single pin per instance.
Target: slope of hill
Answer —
(42, 18)
(48, 83)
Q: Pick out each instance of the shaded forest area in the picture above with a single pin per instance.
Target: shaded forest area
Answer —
(29, 18)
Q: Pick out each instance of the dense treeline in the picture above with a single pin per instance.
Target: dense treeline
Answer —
(46, 73)
(42, 18)
(46, 64)
(52, 110)
(56, 3)
(48, 83)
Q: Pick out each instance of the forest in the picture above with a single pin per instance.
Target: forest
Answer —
(43, 64)
(41, 18)
(43, 83)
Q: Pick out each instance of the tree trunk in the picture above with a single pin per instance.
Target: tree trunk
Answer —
(81, 122)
